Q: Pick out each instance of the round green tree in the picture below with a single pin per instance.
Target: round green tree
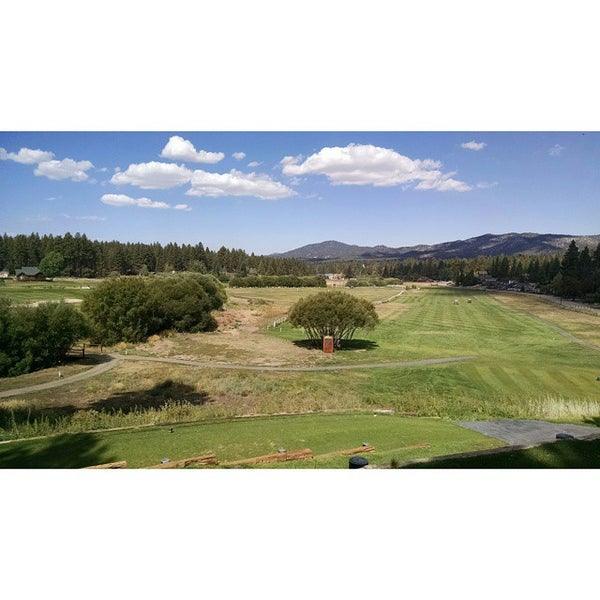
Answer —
(337, 314)
(52, 264)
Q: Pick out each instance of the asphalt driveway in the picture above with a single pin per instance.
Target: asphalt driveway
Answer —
(524, 432)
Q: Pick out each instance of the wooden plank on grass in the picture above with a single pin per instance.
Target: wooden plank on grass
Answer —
(269, 458)
(114, 465)
(357, 450)
(207, 459)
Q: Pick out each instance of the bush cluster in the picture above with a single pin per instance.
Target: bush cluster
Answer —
(130, 309)
(277, 281)
(33, 338)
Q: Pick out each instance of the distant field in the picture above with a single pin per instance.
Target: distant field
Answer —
(28, 292)
(237, 439)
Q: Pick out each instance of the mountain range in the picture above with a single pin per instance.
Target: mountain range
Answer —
(489, 244)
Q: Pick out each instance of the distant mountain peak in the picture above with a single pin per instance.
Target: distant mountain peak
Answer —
(488, 244)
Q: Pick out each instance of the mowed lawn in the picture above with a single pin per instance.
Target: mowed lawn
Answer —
(392, 437)
(517, 360)
(27, 292)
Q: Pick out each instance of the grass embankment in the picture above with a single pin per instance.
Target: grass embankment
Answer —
(28, 292)
(392, 436)
(566, 454)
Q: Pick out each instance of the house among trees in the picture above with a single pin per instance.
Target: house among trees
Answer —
(29, 274)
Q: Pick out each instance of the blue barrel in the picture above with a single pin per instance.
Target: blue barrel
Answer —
(357, 462)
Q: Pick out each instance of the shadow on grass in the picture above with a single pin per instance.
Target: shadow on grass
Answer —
(66, 451)
(566, 454)
(593, 421)
(155, 397)
(347, 345)
(91, 359)
(168, 391)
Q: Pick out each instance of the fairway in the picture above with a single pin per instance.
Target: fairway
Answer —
(29, 292)
(521, 368)
(392, 437)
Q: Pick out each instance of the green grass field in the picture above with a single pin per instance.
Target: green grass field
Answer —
(521, 368)
(28, 292)
(235, 439)
(567, 454)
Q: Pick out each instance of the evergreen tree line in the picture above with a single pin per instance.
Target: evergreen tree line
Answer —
(277, 281)
(77, 256)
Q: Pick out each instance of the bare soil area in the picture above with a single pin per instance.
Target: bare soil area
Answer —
(240, 338)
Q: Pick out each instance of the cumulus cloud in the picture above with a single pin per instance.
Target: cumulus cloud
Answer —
(178, 148)
(239, 155)
(153, 175)
(472, 145)
(26, 156)
(371, 165)
(123, 200)
(64, 169)
(254, 163)
(236, 183)
(556, 150)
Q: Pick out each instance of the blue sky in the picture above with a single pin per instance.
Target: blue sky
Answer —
(274, 191)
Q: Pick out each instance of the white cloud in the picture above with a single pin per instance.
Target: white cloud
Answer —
(123, 200)
(556, 150)
(178, 148)
(26, 156)
(254, 163)
(371, 165)
(484, 185)
(239, 155)
(85, 218)
(236, 183)
(472, 145)
(64, 169)
(153, 175)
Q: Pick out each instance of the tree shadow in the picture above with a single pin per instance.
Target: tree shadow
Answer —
(65, 451)
(347, 345)
(155, 397)
(593, 421)
(126, 402)
(564, 454)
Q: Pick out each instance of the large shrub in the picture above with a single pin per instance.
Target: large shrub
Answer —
(132, 308)
(337, 314)
(33, 338)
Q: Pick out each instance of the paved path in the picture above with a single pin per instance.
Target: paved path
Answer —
(521, 431)
(115, 359)
(102, 368)
(207, 365)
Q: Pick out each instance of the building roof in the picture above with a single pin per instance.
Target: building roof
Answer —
(29, 271)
